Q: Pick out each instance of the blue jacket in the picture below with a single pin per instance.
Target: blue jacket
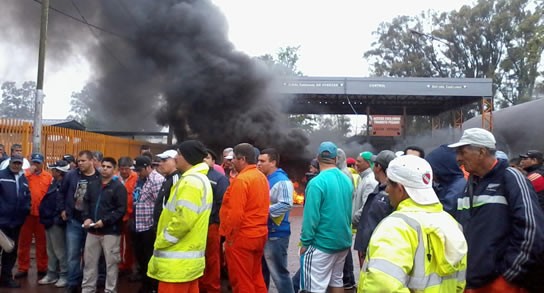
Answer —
(68, 189)
(281, 202)
(14, 199)
(449, 179)
(49, 212)
(503, 225)
(219, 183)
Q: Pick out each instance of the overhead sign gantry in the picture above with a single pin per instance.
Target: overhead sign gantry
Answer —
(387, 96)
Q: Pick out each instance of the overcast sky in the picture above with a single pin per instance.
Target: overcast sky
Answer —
(332, 35)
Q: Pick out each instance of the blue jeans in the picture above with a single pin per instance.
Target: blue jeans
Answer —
(275, 264)
(75, 243)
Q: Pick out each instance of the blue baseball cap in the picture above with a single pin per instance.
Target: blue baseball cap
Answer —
(327, 150)
(38, 158)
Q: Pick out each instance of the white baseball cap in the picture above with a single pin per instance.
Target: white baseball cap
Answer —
(416, 175)
(168, 154)
(476, 137)
(228, 153)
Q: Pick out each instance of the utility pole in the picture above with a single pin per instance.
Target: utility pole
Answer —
(38, 101)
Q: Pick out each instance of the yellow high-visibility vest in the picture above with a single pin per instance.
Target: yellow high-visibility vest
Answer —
(180, 245)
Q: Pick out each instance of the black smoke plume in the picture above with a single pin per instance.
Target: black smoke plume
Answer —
(167, 62)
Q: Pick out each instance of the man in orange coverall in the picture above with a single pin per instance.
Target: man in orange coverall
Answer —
(244, 219)
(38, 183)
(128, 178)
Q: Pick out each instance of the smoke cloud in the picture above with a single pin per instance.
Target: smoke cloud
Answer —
(165, 62)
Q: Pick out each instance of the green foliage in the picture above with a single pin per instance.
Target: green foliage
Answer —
(340, 124)
(18, 102)
(81, 105)
(498, 39)
(285, 61)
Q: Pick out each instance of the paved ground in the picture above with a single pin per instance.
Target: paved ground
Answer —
(30, 283)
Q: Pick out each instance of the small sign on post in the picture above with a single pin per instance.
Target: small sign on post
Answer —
(386, 125)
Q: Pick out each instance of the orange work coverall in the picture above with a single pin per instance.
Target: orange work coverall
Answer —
(127, 256)
(38, 185)
(244, 223)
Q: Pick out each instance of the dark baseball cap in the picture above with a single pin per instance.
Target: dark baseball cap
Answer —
(38, 158)
(141, 162)
(16, 159)
(383, 158)
(533, 154)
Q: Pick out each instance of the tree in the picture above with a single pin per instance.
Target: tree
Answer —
(82, 104)
(285, 61)
(18, 102)
(285, 64)
(339, 124)
(520, 67)
(497, 39)
(400, 51)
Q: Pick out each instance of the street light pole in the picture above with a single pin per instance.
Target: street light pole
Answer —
(38, 101)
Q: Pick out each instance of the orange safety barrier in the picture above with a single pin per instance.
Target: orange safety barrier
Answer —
(58, 141)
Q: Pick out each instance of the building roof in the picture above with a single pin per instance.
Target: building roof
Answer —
(385, 95)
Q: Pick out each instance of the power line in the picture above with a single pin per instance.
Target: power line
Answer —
(85, 22)
(128, 12)
(96, 36)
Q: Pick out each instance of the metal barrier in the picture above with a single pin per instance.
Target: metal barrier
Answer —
(58, 141)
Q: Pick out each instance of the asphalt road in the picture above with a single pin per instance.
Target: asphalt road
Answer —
(30, 285)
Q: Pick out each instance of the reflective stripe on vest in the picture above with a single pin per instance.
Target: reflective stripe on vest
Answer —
(172, 204)
(169, 237)
(178, 254)
(417, 280)
(480, 200)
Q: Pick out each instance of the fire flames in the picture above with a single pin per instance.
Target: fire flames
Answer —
(298, 194)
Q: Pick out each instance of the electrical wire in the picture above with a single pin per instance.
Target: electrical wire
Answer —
(349, 103)
(84, 22)
(96, 36)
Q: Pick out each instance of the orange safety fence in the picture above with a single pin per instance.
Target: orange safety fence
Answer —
(58, 141)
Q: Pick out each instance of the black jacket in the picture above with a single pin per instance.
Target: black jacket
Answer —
(49, 212)
(376, 208)
(503, 226)
(68, 190)
(164, 194)
(108, 203)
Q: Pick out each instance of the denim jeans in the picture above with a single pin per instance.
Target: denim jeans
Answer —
(75, 243)
(275, 264)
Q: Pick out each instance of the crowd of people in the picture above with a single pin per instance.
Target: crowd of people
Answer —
(462, 218)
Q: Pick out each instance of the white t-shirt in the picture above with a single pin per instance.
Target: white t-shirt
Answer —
(5, 164)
